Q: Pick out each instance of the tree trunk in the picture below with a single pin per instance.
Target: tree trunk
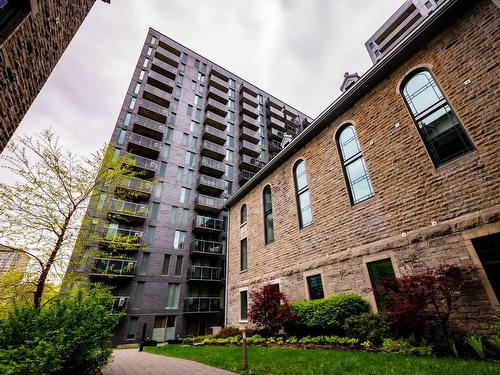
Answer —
(40, 284)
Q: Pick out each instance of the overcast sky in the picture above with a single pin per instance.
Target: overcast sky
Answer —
(296, 50)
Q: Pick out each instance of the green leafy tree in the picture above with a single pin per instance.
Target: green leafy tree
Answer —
(43, 212)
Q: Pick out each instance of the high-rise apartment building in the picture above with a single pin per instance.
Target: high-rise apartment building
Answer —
(197, 132)
(33, 37)
(408, 17)
(12, 260)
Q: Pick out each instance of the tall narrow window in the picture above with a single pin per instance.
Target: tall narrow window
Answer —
(132, 327)
(441, 131)
(144, 263)
(268, 215)
(353, 163)
(139, 294)
(379, 271)
(166, 264)
(488, 252)
(179, 238)
(315, 286)
(302, 194)
(243, 214)
(243, 254)
(172, 296)
(178, 265)
(243, 305)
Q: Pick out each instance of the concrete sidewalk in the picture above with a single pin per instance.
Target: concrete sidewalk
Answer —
(133, 362)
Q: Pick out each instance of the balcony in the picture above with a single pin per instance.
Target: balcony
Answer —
(210, 185)
(275, 134)
(202, 305)
(120, 303)
(293, 129)
(208, 224)
(128, 211)
(147, 167)
(163, 68)
(152, 110)
(218, 83)
(251, 164)
(249, 149)
(109, 267)
(214, 135)
(249, 122)
(275, 146)
(160, 81)
(211, 167)
(133, 187)
(276, 124)
(202, 247)
(248, 110)
(149, 128)
(216, 107)
(130, 239)
(249, 135)
(215, 93)
(215, 120)
(208, 203)
(244, 176)
(249, 90)
(248, 99)
(144, 146)
(213, 150)
(167, 57)
(156, 95)
(202, 273)
(276, 113)
(218, 72)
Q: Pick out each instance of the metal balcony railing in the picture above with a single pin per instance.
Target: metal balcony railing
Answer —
(202, 304)
(244, 176)
(145, 163)
(204, 273)
(153, 107)
(212, 164)
(207, 247)
(120, 303)
(128, 208)
(256, 162)
(214, 150)
(114, 267)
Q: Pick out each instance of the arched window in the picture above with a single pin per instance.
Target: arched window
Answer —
(302, 194)
(443, 135)
(268, 215)
(243, 214)
(353, 163)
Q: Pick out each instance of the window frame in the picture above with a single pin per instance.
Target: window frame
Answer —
(244, 246)
(300, 192)
(354, 158)
(243, 210)
(429, 111)
(267, 190)
(241, 318)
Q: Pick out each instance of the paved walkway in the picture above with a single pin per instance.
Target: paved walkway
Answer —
(133, 362)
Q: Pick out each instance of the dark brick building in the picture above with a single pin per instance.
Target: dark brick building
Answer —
(33, 36)
(402, 169)
(197, 132)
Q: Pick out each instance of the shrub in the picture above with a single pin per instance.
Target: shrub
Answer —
(326, 315)
(228, 331)
(368, 326)
(423, 299)
(66, 336)
(476, 343)
(269, 309)
(404, 347)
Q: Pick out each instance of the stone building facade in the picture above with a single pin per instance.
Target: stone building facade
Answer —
(414, 206)
(33, 37)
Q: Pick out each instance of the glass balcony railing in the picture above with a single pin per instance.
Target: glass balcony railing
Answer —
(208, 223)
(113, 267)
(209, 202)
(211, 183)
(136, 184)
(207, 247)
(128, 208)
(145, 163)
(204, 273)
(120, 303)
(145, 142)
(202, 304)
(112, 234)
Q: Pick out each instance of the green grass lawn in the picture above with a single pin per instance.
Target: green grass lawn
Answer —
(281, 361)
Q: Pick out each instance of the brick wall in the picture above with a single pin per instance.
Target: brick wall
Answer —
(31, 52)
(462, 197)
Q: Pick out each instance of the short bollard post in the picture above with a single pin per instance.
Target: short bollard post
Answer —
(245, 352)
(143, 337)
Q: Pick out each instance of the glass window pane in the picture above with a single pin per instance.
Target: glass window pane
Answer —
(379, 270)
(348, 141)
(243, 305)
(306, 216)
(166, 264)
(315, 286)
(421, 92)
(304, 200)
(269, 228)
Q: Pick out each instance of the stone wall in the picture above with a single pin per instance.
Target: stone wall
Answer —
(417, 208)
(30, 53)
